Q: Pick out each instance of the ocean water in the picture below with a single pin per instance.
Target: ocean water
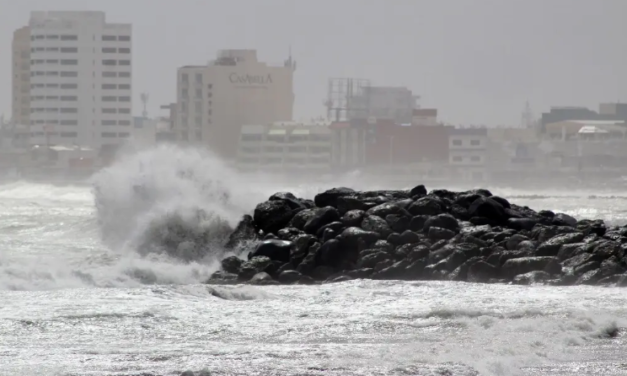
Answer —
(76, 297)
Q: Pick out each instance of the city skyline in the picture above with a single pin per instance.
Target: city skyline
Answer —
(478, 63)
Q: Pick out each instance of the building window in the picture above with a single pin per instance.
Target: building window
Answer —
(68, 134)
(109, 38)
(184, 106)
(124, 122)
(52, 74)
(197, 107)
(209, 95)
(198, 121)
(109, 62)
(124, 74)
(209, 104)
(124, 50)
(56, 110)
(209, 86)
(109, 110)
(184, 78)
(69, 86)
(52, 61)
(69, 62)
(69, 110)
(184, 122)
(184, 93)
(69, 74)
(124, 99)
(109, 74)
(209, 112)
(124, 86)
(124, 135)
(69, 49)
(124, 38)
(52, 37)
(457, 158)
(49, 49)
(108, 122)
(108, 134)
(457, 142)
(124, 62)
(198, 78)
(198, 93)
(475, 158)
(69, 98)
(69, 122)
(109, 50)
(109, 86)
(475, 142)
(124, 110)
(109, 99)
(69, 37)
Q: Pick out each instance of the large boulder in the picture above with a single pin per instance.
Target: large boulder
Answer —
(426, 206)
(244, 232)
(445, 221)
(376, 224)
(321, 217)
(275, 250)
(514, 267)
(488, 208)
(330, 197)
(271, 216)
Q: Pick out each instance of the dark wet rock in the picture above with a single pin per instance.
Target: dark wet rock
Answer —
(376, 224)
(322, 273)
(417, 223)
(336, 226)
(514, 267)
(276, 250)
(481, 271)
(513, 242)
(253, 266)
(396, 271)
(262, 278)
(409, 237)
(418, 190)
(562, 219)
(232, 264)
(385, 209)
(328, 234)
(426, 206)
(320, 218)
(300, 219)
(445, 221)
(271, 216)
(290, 276)
(552, 246)
(488, 208)
(398, 223)
(353, 218)
(437, 233)
(244, 231)
(476, 231)
(570, 250)
(221, 277)
(371, 260)
(329, 197)
(360, 273)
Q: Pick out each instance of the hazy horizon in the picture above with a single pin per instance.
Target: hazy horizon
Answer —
(476, 61)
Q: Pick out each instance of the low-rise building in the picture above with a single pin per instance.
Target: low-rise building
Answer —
(468, 154)
(425, 117)
(289, 147)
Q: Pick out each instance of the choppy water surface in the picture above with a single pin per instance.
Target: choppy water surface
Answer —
(73, 304)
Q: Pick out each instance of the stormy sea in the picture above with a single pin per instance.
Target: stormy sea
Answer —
(81, 294)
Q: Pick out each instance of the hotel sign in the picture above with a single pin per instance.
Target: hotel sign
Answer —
(250, 79)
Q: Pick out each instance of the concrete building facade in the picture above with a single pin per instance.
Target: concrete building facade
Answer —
(287, 147)
(468, 154)
(383, 103)
(215, 100)
(20, 96)
(80, 79)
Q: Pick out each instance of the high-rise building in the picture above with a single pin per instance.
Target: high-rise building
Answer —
(216, 100)
(80, 79)
(20, 68)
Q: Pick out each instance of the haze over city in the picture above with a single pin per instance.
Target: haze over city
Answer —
(478, 62)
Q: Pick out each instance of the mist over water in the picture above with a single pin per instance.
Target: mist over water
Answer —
(134, 308)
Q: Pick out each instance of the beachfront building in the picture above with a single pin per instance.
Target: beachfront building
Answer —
(214, 101)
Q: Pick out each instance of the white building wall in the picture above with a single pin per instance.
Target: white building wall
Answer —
(81, 74)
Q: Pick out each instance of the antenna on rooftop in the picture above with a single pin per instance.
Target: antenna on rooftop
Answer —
(144, 98)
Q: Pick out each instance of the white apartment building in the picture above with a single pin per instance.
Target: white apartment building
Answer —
(288, 147)
(215, 100)
(468, 151)
(20, 101)
(80, 79)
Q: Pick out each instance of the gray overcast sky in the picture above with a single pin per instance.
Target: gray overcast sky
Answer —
(478, 61)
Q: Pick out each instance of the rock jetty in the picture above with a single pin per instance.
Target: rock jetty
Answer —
(414, 234)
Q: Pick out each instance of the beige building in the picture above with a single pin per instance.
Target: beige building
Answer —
(216, 100)
(286, 147)
(21, 76)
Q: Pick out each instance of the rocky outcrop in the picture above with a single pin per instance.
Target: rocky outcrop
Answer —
(414, 234)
